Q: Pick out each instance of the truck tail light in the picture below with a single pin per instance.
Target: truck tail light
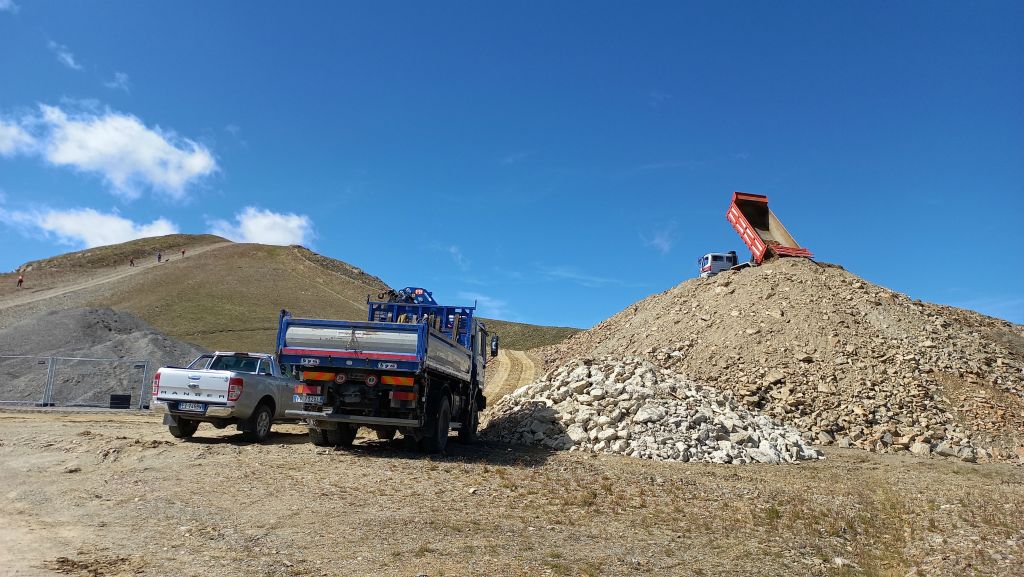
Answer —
(156, 384)
(304, 389)
(400, 396)
(235, 388)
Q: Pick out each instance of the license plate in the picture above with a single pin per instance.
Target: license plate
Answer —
(193, 407)
(313, 399)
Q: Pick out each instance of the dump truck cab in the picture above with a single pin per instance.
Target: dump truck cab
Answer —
(715, 262)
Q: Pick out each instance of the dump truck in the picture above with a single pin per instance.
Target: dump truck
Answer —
(760, 229)
(413, 366)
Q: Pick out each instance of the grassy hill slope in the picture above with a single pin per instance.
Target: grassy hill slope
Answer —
(229, 297)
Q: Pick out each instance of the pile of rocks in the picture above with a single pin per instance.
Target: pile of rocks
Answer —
(844, 361)
(633, 408)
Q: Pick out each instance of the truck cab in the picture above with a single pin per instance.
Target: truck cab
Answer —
(715, 262)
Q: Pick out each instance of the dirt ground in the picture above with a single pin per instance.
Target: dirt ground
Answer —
(113, 494)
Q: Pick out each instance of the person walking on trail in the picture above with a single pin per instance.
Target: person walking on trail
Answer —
(159, 256)
(182, 253)
(21, 280)
(131, 261)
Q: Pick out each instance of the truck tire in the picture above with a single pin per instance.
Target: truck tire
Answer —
(435, 434)
(385, 433)
(260, 422)
(470, 424)
(183, 428)
(343, 436)
(318, 437)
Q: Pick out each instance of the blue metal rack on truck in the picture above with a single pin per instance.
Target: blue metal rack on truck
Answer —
(413, 366)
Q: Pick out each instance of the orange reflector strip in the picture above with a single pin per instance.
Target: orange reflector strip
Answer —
(307, 389)
(317, 376)
(403, 396)
(393, 380)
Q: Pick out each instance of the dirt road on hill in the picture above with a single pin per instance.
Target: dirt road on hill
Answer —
(509, 371)
(101, 277)
(113, 494)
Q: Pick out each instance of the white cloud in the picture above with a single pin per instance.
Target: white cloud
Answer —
(121, 81)
(86, 227)
(489, 307)
(14, 139)
(265, 227)
(568, 273)
(64, 55)
(663, 239)
(8, 6)
(126, 153)
(458, 257)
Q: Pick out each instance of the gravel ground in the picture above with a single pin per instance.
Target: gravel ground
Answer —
(114, 494)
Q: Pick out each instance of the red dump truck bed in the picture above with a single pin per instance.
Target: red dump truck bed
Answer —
(760, 229)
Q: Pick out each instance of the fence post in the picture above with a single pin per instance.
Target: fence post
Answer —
(51, 368)
(142, 388)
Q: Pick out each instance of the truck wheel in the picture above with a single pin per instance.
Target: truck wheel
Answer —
(467, 432)
(343, 436)
(183, 428)
(435, 437)
(386, 433)
(318, 437)
(259, 424)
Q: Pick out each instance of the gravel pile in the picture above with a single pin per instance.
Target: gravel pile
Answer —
(631, 407)
(89, 333)
(840, 359)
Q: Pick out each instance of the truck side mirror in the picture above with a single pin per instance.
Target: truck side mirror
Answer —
(494, 346)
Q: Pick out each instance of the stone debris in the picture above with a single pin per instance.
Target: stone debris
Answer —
(631, 407)
(844, 361)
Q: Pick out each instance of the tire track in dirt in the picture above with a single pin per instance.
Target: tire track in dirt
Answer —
(513, 370)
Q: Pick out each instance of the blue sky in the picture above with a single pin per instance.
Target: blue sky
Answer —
(558, 161)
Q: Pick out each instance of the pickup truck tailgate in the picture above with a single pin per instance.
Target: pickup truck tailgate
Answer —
(195, 386)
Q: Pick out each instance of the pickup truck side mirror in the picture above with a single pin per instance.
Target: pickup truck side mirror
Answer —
(494, 346)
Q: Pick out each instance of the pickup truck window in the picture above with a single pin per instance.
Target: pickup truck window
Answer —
(237, 364)
(265, 368)
(200, 363)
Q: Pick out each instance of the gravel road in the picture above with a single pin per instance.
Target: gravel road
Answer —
(113, 494)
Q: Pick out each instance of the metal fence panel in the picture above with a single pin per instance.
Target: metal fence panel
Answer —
(84, 382)
(23, 379)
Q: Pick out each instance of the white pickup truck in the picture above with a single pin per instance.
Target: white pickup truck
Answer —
(224, 388)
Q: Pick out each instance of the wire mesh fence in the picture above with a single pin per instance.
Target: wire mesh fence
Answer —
(73, 382)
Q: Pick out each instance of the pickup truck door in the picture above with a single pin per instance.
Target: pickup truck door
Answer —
(282, 387)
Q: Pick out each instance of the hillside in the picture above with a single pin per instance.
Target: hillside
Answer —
(844, 361)
(222, 295)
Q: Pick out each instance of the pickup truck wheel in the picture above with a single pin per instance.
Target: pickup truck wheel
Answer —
(467, 432)
(343, 436)
(259, 424)
(183, 428)
(435, 438)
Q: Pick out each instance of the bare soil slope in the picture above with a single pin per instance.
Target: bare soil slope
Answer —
(117, 496)
(220, 296)
(845, 361)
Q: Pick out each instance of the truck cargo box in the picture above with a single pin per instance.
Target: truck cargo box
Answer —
(760, 229)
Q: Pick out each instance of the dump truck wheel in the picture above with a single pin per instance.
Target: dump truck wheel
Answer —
(436, 434)
(318, 437)
(467, 432)
(260, 423)
(386, 433)
(183, 428)
(343, 436)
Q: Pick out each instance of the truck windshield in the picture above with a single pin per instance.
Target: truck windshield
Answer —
(236, 364)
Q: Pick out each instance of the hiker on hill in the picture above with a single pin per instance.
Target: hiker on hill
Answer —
(182, 253)
(21, 280)
(131, 261)
(159, 256)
